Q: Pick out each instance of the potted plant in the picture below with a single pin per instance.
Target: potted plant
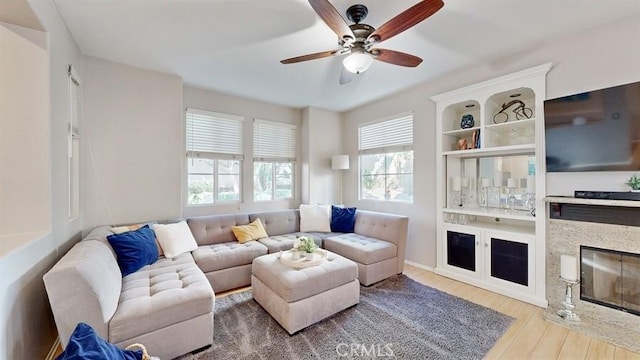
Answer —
(307, 245)
(634, 182)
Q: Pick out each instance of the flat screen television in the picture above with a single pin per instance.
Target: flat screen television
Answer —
(594, 131)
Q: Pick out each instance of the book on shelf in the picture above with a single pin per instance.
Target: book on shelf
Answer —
(475, 139)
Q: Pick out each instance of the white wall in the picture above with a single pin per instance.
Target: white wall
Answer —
(598, 58)
(24, 185)
(250, 109)
(24, 131)
(322, 138)
(131, 142)
(27, 330)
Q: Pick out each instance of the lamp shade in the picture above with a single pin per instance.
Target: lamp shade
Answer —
(340, 162)
(357, 62)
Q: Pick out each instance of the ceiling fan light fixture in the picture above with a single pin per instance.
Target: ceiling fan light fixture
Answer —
(357, 62)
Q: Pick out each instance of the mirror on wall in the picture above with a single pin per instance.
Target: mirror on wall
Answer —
(506, 182)
(501, 169)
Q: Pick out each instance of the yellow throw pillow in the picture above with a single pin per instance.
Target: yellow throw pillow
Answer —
(126, 228)
(253, 231)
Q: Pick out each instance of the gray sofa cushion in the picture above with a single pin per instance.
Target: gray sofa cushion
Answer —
(279, 222)
(216, 229)
(226, 255)
(165, 293)
(360, 248)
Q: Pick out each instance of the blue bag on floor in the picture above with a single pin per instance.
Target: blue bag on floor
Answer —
(85, 344)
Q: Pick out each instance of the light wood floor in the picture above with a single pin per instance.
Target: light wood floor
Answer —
(530, 336)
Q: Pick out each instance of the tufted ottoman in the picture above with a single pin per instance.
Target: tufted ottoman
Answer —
(297, 298)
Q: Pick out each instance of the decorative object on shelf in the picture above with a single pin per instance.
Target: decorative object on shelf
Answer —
(634, 182)
(520, 111)
(530, 196)
(467, 121)
(462, 144)
(493, 194)
(475, 139)
(511, 195)
(469, 193)
(456, 187)
(569, 275)
(483, 196)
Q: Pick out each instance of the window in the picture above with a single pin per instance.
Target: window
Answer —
(214, 157)
(386, 159)
(73, 143)
(274, 157)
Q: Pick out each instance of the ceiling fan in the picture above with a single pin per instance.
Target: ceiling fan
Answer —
(358, 39)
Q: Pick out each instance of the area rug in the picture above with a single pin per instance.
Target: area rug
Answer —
(396, 318)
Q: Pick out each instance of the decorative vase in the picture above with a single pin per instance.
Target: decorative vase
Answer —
(295, 254)
(308, 256)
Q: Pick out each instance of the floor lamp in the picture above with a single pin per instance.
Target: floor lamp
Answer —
(340, 162)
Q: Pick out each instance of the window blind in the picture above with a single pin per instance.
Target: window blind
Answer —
(274, 141)
(393, 135)
(214, 135)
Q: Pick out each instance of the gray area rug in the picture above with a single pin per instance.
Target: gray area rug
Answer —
(396, 318)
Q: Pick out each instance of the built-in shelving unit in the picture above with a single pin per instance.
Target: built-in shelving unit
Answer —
(491, 213)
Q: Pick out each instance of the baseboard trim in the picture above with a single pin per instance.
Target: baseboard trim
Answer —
(424, 267)
(52, 352)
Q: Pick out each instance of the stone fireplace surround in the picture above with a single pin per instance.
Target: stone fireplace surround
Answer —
(565, 237)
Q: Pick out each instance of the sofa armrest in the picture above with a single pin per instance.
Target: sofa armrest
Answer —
(84, 286)
(387, 227)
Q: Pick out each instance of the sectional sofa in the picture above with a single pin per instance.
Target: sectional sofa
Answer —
(168, 305)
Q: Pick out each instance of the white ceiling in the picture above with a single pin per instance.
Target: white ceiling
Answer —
(235, 46)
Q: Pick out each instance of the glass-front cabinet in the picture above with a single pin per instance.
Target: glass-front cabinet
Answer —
(490, 213)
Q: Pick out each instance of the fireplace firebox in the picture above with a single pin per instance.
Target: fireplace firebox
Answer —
(610, 278)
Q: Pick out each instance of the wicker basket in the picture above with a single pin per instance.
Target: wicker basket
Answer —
(145, 355)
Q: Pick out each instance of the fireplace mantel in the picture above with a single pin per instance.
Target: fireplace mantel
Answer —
(573, 200)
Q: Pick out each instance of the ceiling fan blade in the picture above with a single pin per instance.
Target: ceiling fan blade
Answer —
(345, 76)
(309, 57)
(332, 18)
(396, 57)
(405, 20)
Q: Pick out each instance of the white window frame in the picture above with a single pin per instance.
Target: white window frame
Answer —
(228, 127)
(388, 135)
(73, 143)
(275, 143)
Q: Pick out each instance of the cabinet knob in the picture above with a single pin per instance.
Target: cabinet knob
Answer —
(486, 245)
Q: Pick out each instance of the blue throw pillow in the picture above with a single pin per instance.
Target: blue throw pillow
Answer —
(343, 219)
(85, 344)
(134, 249)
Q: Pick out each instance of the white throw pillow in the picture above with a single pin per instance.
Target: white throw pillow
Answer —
(175, 239)
(315, 218)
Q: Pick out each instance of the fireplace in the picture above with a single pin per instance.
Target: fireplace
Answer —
(610, 278)
(602, 235)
